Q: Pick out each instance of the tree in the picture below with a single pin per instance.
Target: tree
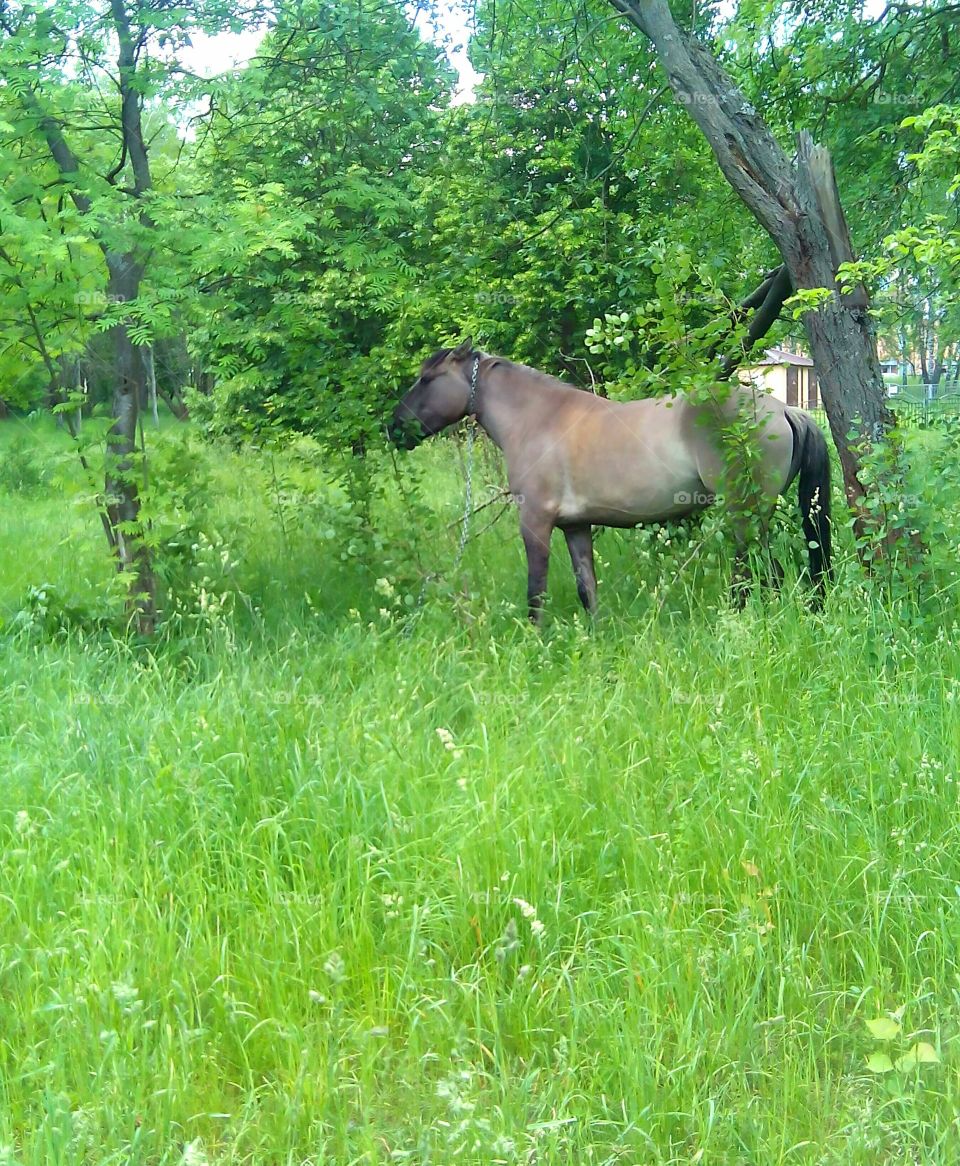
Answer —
(80, 81)
(917, 267)
(851, 76)
(27, 43)
(311, 168)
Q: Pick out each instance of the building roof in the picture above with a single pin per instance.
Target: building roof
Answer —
(781, 356)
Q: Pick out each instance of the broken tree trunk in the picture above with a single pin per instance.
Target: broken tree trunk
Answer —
(765, 303)
(797, 203)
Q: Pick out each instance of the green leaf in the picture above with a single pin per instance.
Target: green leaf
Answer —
(879, 1063)
(922, 1053)
(883, 1028)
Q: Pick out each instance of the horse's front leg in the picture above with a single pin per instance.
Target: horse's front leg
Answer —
(536, 530)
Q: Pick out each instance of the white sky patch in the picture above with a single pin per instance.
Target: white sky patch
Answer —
(451, 30)
(210, 55)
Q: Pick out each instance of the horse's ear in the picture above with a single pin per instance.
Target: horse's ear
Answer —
(462, 351)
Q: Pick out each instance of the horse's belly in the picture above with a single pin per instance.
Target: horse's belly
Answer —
(648, 494)
(632, 511)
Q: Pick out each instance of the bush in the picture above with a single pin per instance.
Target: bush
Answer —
(19, 472)
(913, 544)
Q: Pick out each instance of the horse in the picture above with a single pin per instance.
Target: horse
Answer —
(576, 460)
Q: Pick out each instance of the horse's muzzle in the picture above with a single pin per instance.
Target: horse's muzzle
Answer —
(406, 433)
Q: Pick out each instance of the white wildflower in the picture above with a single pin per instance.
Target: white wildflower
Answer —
(529, 912)
(335, 967)
(194, 1154)
(446, 739)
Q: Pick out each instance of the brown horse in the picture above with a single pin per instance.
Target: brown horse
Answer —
(576, 460)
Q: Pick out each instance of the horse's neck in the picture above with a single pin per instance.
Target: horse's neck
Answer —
(510, 396)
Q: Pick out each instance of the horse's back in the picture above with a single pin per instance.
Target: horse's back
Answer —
(604, 462)
(711, 429)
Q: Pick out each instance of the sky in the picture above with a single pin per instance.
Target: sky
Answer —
(214, 54)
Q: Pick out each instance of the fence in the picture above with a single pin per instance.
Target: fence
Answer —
(914, 414)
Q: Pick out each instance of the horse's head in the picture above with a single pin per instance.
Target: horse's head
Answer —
(440, 396)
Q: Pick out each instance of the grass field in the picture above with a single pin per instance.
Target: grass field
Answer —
(315, 880)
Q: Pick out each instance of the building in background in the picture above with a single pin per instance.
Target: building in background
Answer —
(788, 376)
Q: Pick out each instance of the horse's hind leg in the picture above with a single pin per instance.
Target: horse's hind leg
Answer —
(535, 531)
(742, 578)
(580, 545)
(770, 569)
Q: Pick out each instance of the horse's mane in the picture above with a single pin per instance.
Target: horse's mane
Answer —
(433, 361)
(441, 355)
(537, 374)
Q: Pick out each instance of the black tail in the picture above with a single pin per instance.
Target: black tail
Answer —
(811, 460)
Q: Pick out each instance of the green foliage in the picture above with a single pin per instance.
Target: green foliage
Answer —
(20, 472)
(312, 244)
(808, 300)
(928, 249)
(671, 342)
(44, 614)
(886, 1029)
(849, 77)
(181, 510)
(516, 218)
(911, 477)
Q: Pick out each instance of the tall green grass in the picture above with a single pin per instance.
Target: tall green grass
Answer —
(323, 877)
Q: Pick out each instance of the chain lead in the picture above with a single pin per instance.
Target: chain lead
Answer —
(471, 434)
(468, 496)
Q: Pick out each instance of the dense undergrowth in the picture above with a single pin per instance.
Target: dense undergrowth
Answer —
(326, 874)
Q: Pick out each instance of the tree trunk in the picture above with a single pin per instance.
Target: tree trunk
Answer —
(797, 204)
(765, 302)
(122, 521)
(123, 467)
(150, 369)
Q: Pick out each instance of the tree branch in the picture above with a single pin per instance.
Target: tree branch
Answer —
(776, 288)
